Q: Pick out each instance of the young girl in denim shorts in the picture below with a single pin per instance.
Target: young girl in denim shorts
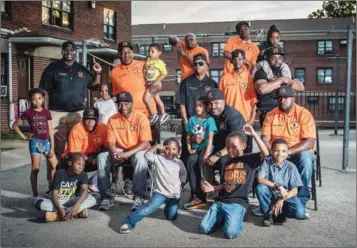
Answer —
(41, 141)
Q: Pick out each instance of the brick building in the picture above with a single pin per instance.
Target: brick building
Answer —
(308, 44)
(35, 30)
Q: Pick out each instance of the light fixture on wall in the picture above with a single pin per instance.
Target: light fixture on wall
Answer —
(92, 4)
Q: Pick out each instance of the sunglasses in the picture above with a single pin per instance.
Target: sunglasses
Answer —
(201, 63)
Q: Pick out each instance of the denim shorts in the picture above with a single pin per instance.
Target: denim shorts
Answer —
(38, 147)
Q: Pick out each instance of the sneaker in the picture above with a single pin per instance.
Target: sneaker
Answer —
(154, 119)
(268, 220)
(138, 202)
(307, 215)
(35, 199)
(128, 187)
(124, 229)
(106, 204)
(164, 118)
(83, 214)
(195, 204)
(279, 220)
(257, 212)
(51, 216)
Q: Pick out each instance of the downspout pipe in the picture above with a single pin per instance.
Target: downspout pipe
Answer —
(11, 103)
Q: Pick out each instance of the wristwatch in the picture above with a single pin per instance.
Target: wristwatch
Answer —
(218, 154)
(277, 186)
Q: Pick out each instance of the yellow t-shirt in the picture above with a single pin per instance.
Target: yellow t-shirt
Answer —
(153, 69)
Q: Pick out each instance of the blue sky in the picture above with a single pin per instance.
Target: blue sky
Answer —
(212, 11)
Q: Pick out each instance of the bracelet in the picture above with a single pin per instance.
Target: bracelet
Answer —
(98, 73)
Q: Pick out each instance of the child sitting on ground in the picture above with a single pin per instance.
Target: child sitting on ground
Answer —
(200, 131)
(42, 140)
(105, 105)
(237, 178)
(70, 198)
(169, 176)
(155, 72)
(272, 42)
(278, 183)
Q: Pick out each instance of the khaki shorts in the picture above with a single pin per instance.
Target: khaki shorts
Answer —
(62, 123)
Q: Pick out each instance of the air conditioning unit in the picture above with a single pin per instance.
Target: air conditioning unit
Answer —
(3, 90)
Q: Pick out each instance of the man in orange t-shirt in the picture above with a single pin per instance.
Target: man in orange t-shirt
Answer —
(296, 125)
(129, 77)
(241, 42)
(88, 137)
(239, 91)
(128, 138)
(187, 50)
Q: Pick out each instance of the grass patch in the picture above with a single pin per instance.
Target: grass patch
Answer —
(10, 136)
(5, 149)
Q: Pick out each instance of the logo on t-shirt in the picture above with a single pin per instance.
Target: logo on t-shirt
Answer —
(207, 88)
(244, 85)
(294, 125)
(235, 173)
(137, 70)
(97, 139)
(133, 127)
(80, 74)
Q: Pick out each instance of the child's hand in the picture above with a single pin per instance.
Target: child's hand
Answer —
(205, 157)
(62, 213)
(207, 187)
(74, 211)
(155, 87)
(248, 129)
(190, 151)
(50, 154)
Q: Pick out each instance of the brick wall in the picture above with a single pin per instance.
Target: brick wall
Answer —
(39, 64)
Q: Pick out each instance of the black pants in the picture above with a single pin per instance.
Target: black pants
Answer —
(194, 171)
(262, 117)
(249, 147)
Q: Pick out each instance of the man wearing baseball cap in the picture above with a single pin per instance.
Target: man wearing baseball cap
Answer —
(128, 76)
(266, 86)
(128, 137)
(64, 82)
(239, 91)
(241, 42)
(227, 118)
(296, 125)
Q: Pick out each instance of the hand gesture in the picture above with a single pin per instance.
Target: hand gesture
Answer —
(96, 67)
(124, 155)
(248, 63)
(205, 157)
(180, 50)
(207, 187)
(248, 129)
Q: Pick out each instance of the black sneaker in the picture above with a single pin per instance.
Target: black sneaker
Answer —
(268, 220)
(279, 220)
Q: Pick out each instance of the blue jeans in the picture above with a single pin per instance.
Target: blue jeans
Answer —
(304, 164)
(292, 208)
(151, 206)
(38, 147)
(231, 214)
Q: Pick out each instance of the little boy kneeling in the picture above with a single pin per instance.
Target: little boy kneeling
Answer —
(70, 198)
(278, 183)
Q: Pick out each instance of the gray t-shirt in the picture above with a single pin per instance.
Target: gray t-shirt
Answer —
(168, 174)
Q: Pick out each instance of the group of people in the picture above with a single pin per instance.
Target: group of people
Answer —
(215, 156)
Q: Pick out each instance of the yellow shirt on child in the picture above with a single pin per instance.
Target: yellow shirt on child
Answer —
(153, 69)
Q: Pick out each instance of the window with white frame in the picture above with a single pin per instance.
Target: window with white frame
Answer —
(324, 47)
(217, 49)
(300, 74)
(216, 74)
(143, 50)
(324, 75)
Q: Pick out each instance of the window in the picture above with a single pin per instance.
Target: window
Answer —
(5, 7)
(324, 75)
(167, 48)
(143, 50)
(324, 47)
(216, 74)
(343, 43)
(178, 76)
(300, 74)
(58, 13)
(340, 103)
(109, 24)
(217, 49)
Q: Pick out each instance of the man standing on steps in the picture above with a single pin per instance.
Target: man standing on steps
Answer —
(65, 82)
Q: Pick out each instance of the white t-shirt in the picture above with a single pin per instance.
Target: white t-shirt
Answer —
(106, 108)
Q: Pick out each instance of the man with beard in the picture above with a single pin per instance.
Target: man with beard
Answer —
(296, 125)
(64, 82)
(266, 89)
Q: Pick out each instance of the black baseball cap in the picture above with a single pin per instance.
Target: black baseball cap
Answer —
(124, 97)
(123, 44)
(90, 113)
(214, 94)
(240, 24)
(285, 91)
(275, 50)
(69, 43)
(200, 56)
(238, 52)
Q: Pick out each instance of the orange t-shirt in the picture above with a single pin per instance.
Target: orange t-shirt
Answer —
(239, 92)
(250, 48)
(127, 133)
(293, 127)
(130, 78)
(79, 140)
(185, 65)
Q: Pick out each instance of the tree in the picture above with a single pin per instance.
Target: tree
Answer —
(333, 9)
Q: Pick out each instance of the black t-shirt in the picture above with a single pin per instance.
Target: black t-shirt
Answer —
(230, 120)
(66, 85)
(266, 102)
(191, 88)
(69, 186)
(240, 173)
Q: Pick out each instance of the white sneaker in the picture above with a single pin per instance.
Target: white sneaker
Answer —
(124, 229)
(138, 202)
(307, 215)
(165, 117)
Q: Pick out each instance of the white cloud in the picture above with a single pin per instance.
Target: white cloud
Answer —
(212, 11)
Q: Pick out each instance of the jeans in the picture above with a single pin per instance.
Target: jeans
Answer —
(139, 179)
(231, 214)
(38, 147)
(151, 206)
(292, 208)
(304, 164)
(46, 205)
